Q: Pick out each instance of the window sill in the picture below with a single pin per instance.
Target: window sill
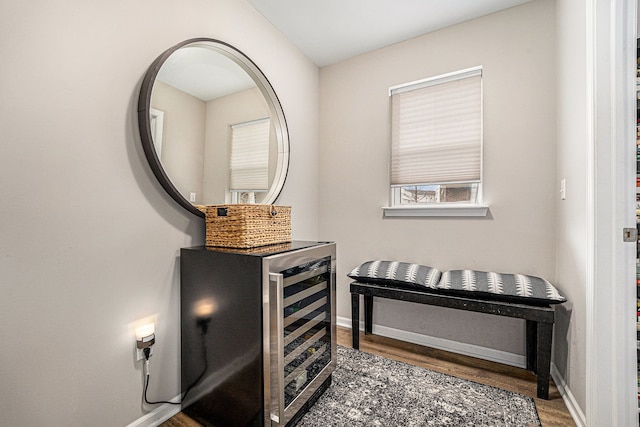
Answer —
(436, 210)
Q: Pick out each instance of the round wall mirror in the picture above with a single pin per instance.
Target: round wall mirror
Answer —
(212, 127)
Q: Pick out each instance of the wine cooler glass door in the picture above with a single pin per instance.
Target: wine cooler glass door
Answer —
(302, 335)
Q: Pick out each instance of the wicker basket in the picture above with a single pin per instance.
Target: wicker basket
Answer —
(258, 250)
(247, 226)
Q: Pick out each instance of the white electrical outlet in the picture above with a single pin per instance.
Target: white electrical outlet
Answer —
(192, 197)
(140, 353)
(563, 189)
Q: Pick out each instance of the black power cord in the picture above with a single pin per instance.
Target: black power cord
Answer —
(147, 355)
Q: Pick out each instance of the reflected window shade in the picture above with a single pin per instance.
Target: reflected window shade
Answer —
(436, 132)
(250, 156)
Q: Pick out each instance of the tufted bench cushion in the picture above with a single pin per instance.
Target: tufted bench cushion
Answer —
(515, 288)
(396, 273)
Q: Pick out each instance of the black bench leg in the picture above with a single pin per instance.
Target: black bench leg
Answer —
(543, 359)
(532, 332)
(368, 314)
(355, 320)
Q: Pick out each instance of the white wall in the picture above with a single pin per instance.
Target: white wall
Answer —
(572, 261)
(183, 137)
(516, 47)
(88, 239)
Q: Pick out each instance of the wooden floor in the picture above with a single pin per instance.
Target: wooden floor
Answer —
(552, 412)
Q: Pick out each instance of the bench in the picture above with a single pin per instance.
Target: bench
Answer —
(539, 317)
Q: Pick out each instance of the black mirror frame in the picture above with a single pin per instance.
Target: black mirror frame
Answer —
(144, 122)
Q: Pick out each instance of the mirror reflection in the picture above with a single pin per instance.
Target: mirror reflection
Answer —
(216, 127)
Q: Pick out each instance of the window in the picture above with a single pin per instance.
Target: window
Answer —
(249, 165)
(436, 141)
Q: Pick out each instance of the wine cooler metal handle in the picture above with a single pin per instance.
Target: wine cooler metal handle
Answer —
(276, 282)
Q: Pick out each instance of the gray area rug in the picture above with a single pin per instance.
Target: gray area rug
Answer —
(369, 390)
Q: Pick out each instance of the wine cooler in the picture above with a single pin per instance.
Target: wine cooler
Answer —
(258, 332)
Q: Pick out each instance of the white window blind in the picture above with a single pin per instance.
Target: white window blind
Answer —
(250, 156)
(436, 130)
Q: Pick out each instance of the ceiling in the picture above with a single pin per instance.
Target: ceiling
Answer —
(327, 31)
(330, 31)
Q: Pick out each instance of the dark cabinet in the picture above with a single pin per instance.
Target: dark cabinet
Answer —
(258, 332)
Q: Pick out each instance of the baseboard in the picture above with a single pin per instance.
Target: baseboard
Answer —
(569, 400)
(159, 415)
(472, 350)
